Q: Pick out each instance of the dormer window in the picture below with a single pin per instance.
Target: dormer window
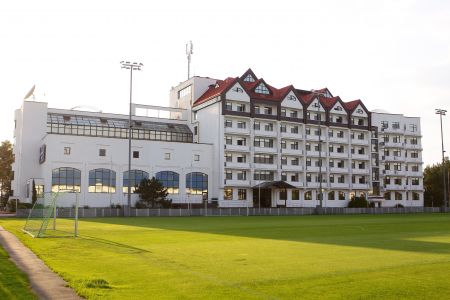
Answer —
(262, 89)
(359, 111)
(315, 105)
(338, 108)
(238, 90)
(249, 78)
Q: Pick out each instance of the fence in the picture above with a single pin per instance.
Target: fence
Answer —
(242, 211)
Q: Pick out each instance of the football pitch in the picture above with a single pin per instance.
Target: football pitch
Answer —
(308, 257)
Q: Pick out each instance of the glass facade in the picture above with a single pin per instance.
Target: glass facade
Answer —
(170, 180)
(66, 179)
(196, 183)
(135, 179)
(117, 128)
(102, 181)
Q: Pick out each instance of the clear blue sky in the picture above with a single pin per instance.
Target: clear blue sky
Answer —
(393, 55)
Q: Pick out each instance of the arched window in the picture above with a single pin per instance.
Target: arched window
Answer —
(308, 195)
(387, 196)
(66, 179)
(135, 179)
(196, 183)
(102, 181)
(341, 195)
(331, 195)
(398, 196)
(170, 180)
(415, 196)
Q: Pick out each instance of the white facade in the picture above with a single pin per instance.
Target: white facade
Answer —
(255, 144)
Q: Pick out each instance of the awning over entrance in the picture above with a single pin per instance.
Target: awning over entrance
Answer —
(274, 184)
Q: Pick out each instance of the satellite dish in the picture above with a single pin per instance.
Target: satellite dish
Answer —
(30, 93)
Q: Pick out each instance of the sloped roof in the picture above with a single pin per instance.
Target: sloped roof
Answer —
(215, 90)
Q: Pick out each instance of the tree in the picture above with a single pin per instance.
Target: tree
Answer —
(33, 193)
(433, 184)
(357, 202)
(6, 160)
(152, 194)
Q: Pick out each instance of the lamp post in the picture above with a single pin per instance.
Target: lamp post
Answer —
(132, 66)
(441, 112)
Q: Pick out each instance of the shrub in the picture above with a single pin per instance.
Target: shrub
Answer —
(358, 202)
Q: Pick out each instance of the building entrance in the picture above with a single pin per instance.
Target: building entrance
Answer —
(265, 198)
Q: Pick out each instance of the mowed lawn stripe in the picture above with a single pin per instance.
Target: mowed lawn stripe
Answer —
(363, 256)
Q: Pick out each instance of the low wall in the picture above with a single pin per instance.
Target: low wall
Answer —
(239, 211)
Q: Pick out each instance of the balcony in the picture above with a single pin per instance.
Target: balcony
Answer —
(236, 165)
(315, 153)
(360, 186)
(289, 151)
(411, 187)
(413, 146)
(339, 154)
(393, 145)
(265, 150)
(414, 173)
(272, 133)
(360, 142)
(339, 185)
(392, 130)
(289, 135)
(392, 158)
(295, 183)
(360, 156)
(357, 171)
(413, 160)
(241, 131)
(310, 137)
(338, 170)
(395, 187)
(316, 185)
(316, 169)
(237, 148)
(340, 140)
(294, 168)
(234, 182)
(265, 166)
(394, 173)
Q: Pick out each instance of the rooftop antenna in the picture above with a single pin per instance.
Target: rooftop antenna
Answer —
(189, 52)
(30, 93)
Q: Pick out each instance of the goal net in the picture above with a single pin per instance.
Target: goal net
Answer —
(41, 221)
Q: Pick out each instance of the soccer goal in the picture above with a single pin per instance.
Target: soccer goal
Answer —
(42, 219)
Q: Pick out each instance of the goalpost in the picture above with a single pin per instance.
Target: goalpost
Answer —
(44, 211)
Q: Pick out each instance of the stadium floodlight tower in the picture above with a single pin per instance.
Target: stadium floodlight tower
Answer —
(441, 112)
(132, 66)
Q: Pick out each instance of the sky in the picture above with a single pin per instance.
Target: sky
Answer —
(393, 55)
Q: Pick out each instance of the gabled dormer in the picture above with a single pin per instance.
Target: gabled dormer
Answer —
(237, 93)
(315, 111)
(262, 89)
(249, 76)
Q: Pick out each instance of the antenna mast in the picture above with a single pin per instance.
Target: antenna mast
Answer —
(189, 52)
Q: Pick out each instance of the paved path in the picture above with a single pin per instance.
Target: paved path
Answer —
(45, 283)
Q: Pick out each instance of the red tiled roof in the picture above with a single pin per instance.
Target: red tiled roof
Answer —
(215, 90)
(275, 94)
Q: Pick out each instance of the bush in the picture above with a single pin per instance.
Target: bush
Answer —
(398, 205)
(358, 202)
(25, 205)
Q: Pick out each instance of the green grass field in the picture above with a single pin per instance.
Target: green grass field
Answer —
(309, 257)
(13, 283)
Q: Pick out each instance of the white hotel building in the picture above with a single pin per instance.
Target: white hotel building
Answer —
(236, 142)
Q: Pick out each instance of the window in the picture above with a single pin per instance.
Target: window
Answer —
(196, 183)
(238, 90)
(184, 92)
(283, 194)
(268, 127)
(101, 152)
(308, 177)
(263, 175)
(294, 129)
(66, 150)
(294, 177)
(196, 157)
(228, 157)
(167, 156)
(241, 142)
(241, 124)
(340, 134)
(66, 179)
(341, 195)
(263, 159)
(228, 106)
(135, 154)
(295, 161)
(387, 196)
(291, 97)
(283, 176)
(415, 181)
(228, 175)
(308, 195)
(242, 175)
(396, 139)
(227, 194)
(242, 194)
(170, 180)
(295, 194)
(359, 111)
(397, 181)
(249, 78)
(228, 141)
(413, 127)
(395, 125)
(256, 126)
(414, 141)
(398, 196)
(228, 123)
(294, 145)
(330, 133)
(414, 154)
(282, 128)
(384, 124)
(283, 112)
(293, 114)
(102, 181)
(283, 144)
(240, 107)
(262, 89)
(135, 179)
(257, 109)
(283, 160)
(331, 195)
(267, 110)
(241, 158)
(415, 196)
(308, 147)
(263, 142)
